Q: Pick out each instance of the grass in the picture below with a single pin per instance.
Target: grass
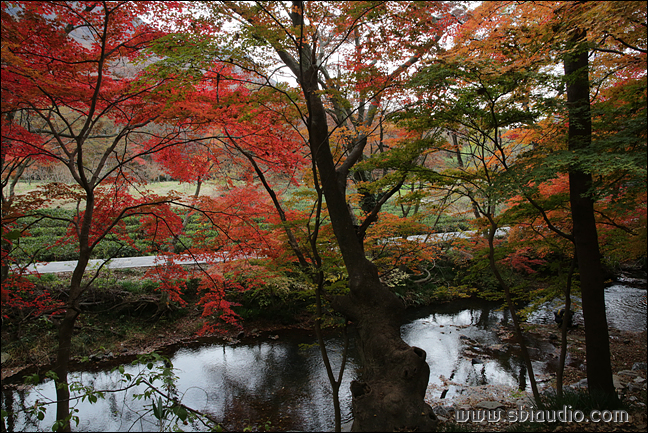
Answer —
(582, 400)
(138, 287)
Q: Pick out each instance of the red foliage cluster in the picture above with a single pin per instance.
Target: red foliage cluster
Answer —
(21, 295)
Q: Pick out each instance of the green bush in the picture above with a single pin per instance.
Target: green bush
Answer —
(43, 250)
(110, 248)
(281, 300)
(149, 286)
(40, 231)
(131, 286)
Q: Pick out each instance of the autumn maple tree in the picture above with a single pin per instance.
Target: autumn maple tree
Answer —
(278, 91)
(545, 138)
(75, 91)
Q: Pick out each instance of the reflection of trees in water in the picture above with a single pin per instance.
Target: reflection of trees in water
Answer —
(8, 402)
(112, 405)
(277, 381)
(13, 408)
(491, 315)
(484, 315)
(281, 383)
(484, 318)
(523, 376)
(289, 387)
(477, 375)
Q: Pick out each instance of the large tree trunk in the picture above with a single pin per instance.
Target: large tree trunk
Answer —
(599, 369)
(389, 394)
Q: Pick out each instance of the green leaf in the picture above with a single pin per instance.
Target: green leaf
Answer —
(13, 235)
(158, 410)
(180, 412)
(32, 379)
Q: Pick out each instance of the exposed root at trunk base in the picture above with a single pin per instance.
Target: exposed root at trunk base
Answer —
(391, 395)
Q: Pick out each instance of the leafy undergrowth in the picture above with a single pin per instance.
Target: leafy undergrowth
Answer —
(124, 314)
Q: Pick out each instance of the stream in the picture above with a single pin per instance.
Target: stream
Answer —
(280, 379)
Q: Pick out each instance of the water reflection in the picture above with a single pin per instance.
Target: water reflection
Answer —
(457, 347)
(274, 380)
(625, 308)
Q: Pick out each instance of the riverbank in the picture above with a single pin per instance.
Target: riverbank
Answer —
(119, 345)
(628, 351)
(122, 318)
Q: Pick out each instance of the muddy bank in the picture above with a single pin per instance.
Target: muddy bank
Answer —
(158, 340)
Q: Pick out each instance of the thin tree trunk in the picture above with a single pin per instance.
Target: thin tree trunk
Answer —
(511, 306)
(455, 143)
(66, 327)
(335, 384)
(16, 178)
(65, 333)
(563, 331)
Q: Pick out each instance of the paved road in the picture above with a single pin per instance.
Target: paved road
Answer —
(117, 263)
(148, 261)
(437, 237)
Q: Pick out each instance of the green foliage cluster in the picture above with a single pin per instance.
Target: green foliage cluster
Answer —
(42, 239)
(283, 300)
(442, 285)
